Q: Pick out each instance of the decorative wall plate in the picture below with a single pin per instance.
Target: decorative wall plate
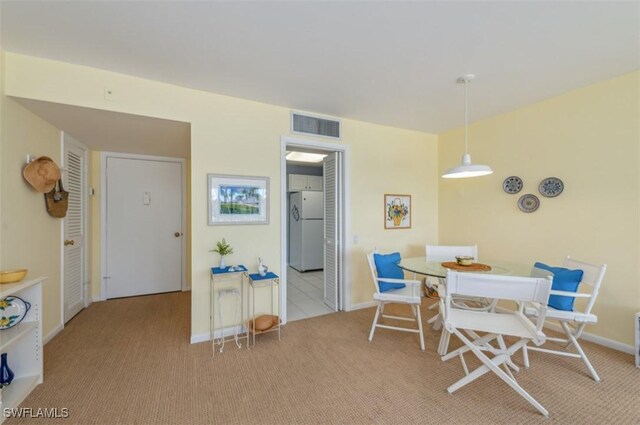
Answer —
(12, 311)
(528, 203)
(512, 184)
(551, 187)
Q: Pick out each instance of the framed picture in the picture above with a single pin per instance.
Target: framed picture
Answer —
(397, 211)
(238, 199)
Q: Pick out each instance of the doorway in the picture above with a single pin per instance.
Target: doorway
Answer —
(75, 279)
(314, 224)
(143, 227)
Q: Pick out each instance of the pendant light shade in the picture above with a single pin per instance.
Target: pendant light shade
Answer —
(466, 168)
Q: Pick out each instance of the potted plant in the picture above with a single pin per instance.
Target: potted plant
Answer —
(222, 248)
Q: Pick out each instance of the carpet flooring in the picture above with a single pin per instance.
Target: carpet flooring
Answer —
(129, 361)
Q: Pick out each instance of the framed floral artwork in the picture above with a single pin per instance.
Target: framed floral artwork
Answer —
(238, 199)
(397, 211)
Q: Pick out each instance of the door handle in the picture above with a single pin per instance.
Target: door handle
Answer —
(176, 234)
(68, 242)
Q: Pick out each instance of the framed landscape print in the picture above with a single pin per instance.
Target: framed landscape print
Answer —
(397, 211)
(238, 199)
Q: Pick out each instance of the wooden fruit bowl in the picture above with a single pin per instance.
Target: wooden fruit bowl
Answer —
(264, 323)
(12, 276)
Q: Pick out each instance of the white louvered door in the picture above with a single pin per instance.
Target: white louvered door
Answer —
(332, 230)
(73, 269)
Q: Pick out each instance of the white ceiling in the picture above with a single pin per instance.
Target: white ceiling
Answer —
(392, 62)
(116, 132)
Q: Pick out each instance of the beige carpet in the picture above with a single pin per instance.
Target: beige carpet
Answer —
(129, 361)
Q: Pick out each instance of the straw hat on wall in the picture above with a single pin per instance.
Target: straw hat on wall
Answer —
(42, 174)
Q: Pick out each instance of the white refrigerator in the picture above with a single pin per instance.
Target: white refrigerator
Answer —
(306, 230)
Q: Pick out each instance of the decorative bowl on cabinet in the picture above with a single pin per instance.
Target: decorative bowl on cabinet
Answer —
(12, 276)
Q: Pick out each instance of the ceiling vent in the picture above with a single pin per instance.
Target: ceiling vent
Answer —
(316, 125)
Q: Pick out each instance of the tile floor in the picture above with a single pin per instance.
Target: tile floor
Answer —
(304, 295)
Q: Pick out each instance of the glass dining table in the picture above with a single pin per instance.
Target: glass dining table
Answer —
(420, 265)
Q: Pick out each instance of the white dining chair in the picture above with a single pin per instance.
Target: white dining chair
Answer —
(466, 323)
(450, 252)
(572, 323)
(409, 294)
(442, 253)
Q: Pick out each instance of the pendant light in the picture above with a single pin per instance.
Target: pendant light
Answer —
(466, 168)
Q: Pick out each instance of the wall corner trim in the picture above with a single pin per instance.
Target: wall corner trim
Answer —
(360, 306)
(55, 331)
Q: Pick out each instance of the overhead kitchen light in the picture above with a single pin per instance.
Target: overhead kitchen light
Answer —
(466, 168)
(304, 157)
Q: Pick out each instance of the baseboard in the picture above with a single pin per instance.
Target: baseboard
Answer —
(596, 339)
(206, 336)
(97, 298)
(363, 305)
(52, 334)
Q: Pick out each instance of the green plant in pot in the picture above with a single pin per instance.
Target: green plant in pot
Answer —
(222, 248)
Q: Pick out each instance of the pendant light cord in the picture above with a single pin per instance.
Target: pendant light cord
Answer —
(466, 82)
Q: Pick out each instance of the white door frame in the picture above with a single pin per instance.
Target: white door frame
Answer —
(345, 283)
(103, 212)
(86, 277)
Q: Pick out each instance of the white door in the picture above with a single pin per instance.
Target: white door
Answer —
(332, 229)
(143, 226)
(73, 267)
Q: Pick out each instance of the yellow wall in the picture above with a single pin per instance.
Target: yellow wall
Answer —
(29, 237)
(589, 138)
(388, 160)
(235, 136)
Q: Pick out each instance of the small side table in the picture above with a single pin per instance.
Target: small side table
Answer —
(227, 284)
(270, 280)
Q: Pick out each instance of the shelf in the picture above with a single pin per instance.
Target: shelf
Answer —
(7, 289)
(9, 336)
(271, 329)
(15, 393)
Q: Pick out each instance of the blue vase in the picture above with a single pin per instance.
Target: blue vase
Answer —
(6, 374)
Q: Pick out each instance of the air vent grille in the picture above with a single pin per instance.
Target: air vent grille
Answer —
(315, 125)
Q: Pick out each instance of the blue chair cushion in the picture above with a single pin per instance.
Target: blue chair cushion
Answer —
(387, 268)
(563, 280)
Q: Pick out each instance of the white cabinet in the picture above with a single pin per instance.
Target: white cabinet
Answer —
(23, 344)
(314, 183)
(299, 182)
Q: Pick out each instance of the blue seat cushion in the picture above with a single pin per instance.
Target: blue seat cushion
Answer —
(563, 280)
(387, 268)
